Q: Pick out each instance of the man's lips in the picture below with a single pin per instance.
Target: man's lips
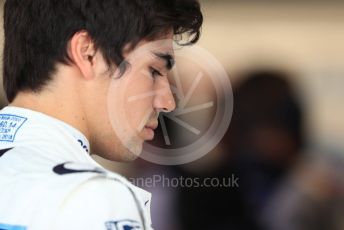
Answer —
(152, 126)
(149, 130)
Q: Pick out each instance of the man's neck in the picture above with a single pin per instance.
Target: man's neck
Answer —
(62, 106)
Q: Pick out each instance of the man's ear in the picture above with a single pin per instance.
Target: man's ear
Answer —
(82, 51)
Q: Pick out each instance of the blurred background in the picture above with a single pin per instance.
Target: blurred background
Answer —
(285, 60)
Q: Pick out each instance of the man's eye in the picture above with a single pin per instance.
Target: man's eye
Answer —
(154, 72)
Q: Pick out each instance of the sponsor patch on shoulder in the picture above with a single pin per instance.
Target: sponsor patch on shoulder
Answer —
(123, 225)
(9, 126)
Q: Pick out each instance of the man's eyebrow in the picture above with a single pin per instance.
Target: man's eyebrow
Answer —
(167, 57)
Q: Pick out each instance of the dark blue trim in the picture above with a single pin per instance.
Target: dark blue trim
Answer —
(3, 151)
(61, 169)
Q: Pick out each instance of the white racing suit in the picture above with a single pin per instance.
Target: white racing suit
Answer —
(49, 181)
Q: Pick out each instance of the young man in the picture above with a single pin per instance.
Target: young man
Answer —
(71, 70)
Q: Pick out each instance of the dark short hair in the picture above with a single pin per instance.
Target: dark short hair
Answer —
(37, 32)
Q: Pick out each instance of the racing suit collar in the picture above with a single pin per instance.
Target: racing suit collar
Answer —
(46, 120)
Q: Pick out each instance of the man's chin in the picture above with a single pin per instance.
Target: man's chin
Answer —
(125, 156)
(129, 153)
(122, 152)
(131, 158)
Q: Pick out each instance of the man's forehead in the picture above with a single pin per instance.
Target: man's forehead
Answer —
(158, 46)
(161, 49)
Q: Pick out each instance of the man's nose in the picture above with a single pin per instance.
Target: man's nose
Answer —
(164, 100)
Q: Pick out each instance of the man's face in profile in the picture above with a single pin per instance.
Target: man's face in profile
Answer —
(134, 100)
